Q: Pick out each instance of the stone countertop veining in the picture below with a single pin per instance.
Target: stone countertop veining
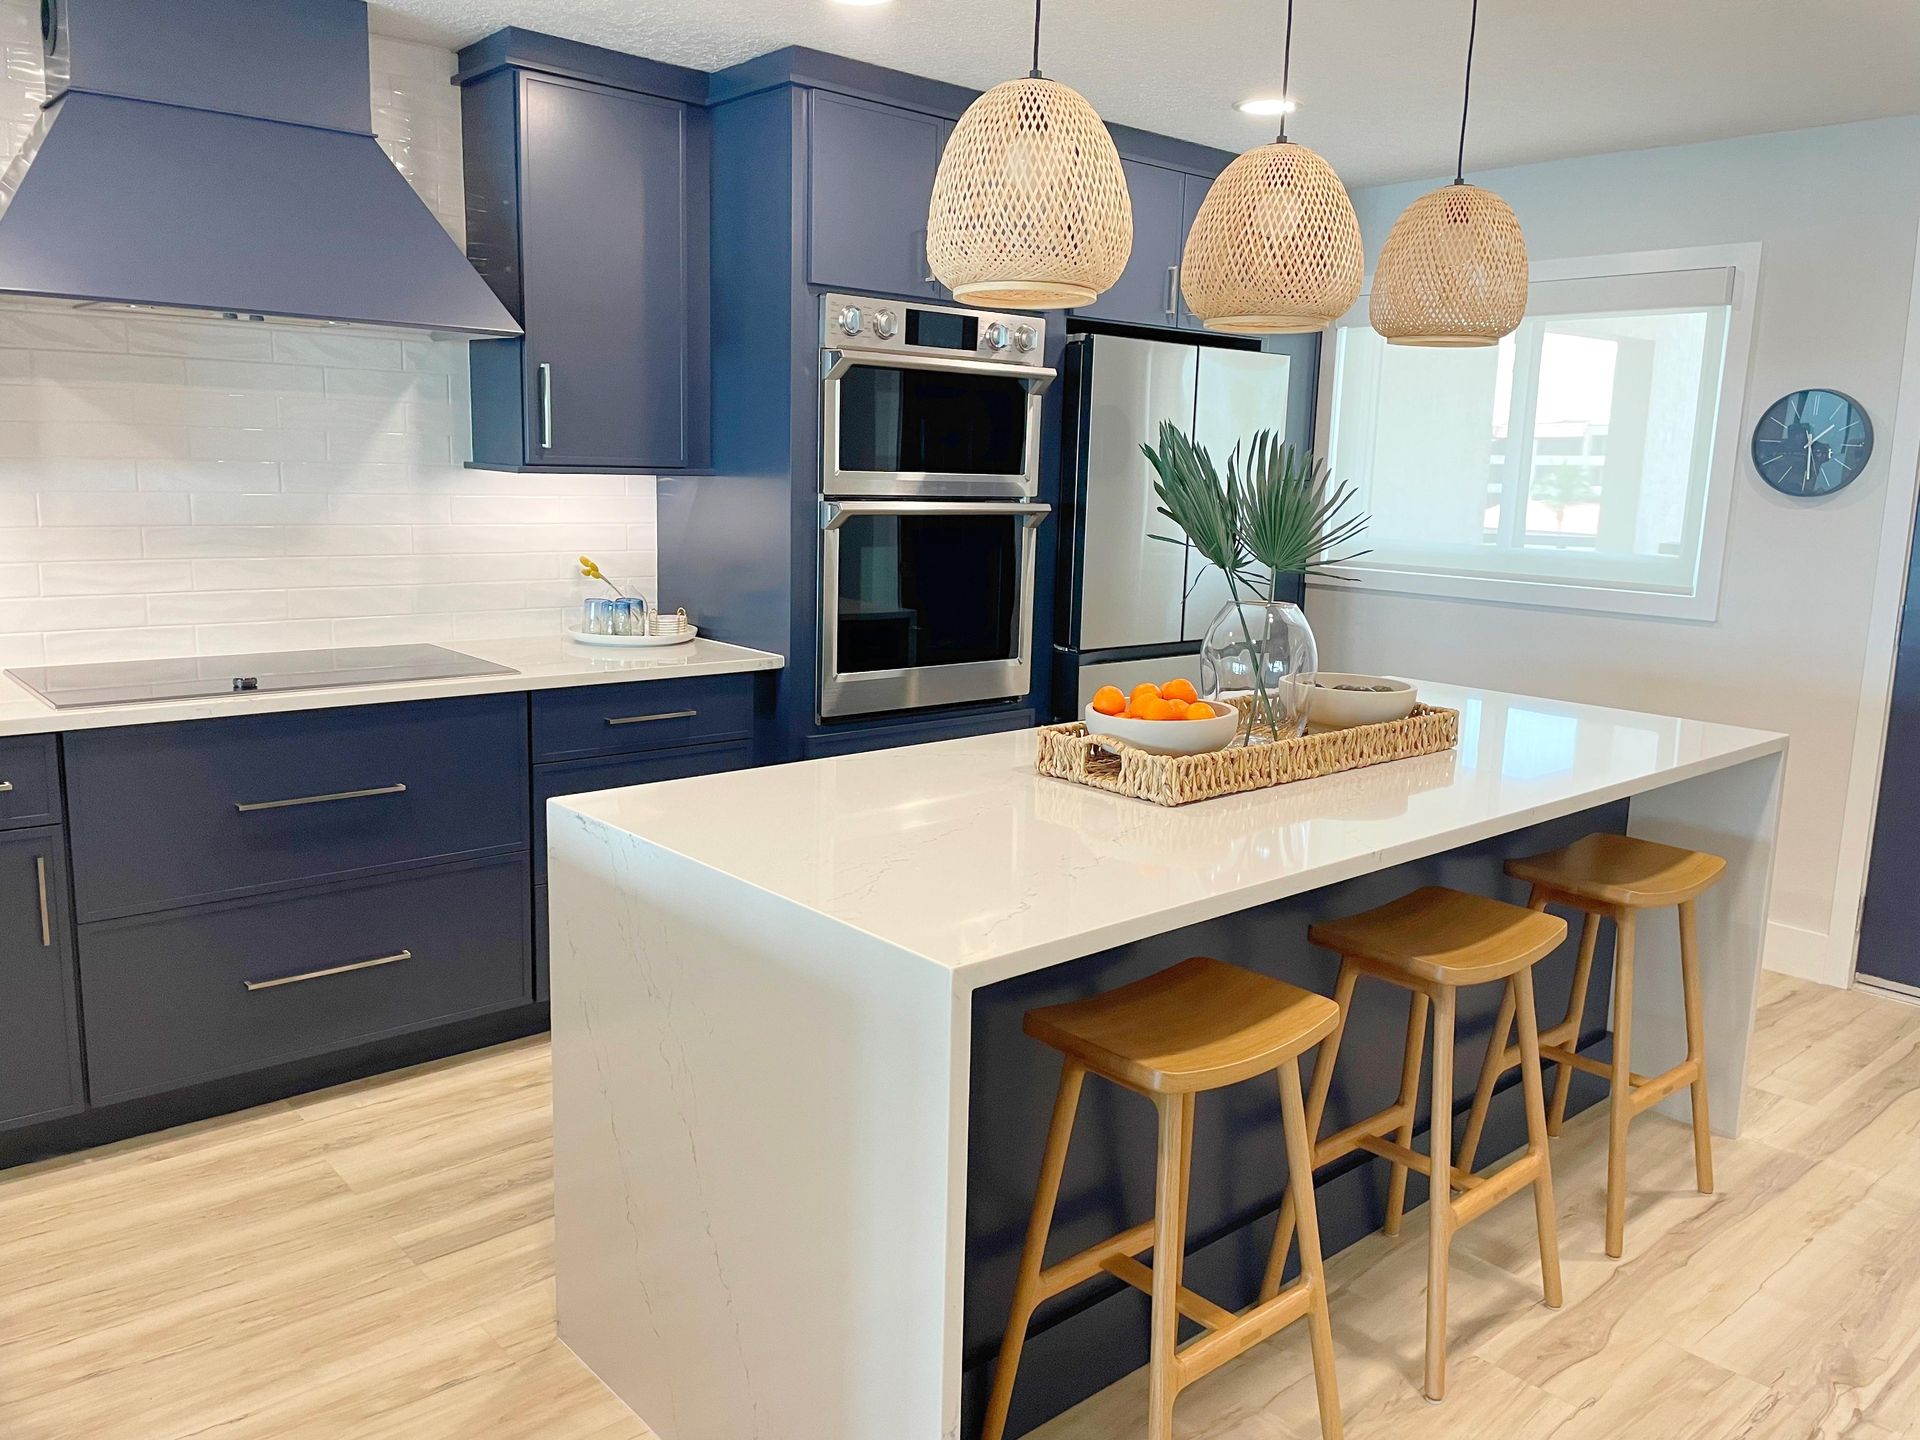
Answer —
(540, 663)
(960, 853)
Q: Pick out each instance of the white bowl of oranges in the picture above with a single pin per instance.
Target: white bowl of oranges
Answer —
(1169, 719)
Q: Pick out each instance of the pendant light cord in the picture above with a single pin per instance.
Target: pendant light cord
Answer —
(1034, 74)
(1466, 98)
(1286, 74)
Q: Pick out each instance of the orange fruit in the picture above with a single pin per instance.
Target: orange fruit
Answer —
(1200, 710)
(1109, 701)
(1137, 702)
(1180, 690)
(1164, 710)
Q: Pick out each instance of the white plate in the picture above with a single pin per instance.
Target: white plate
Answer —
(633, 642)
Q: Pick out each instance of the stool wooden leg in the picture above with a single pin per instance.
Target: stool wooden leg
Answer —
(1620, 1109)
(1409, 1101)
(1026, 1290)
(1534, 1093)
(1576, 1015)
(1322, 1085)
(1326, 1384)
(1491, 1070)
(1169, 1245)
(1696, 1047)
(1440, 1197)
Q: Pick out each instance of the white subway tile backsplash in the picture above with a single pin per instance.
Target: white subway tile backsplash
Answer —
(174, 486)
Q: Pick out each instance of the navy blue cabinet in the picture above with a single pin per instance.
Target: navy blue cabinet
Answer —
(870, 172)
(646, 715)
(587, 211)
(194, 995)
(1146, 292)
(29, 781)
(39, 1027)
(167, 815)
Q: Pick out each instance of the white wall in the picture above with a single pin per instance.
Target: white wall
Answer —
(1837, 212)
(173, 487)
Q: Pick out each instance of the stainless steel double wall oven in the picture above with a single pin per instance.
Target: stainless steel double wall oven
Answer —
(929, 486)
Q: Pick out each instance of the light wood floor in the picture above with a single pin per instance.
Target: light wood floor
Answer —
(374, 1262)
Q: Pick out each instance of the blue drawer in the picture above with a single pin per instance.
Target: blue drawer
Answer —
(165, 815)
(859, 738)
(579, 776)
(646, 715)
(195, 995)
(29, 781)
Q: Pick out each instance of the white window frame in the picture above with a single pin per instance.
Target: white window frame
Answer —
(1723, 472)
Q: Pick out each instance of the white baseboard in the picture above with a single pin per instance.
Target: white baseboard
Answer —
(1806, 955)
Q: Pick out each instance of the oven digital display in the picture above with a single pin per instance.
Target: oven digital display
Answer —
(937, 330)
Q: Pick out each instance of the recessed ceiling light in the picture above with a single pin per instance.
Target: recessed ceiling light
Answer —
(1267, 105)
(862, 3)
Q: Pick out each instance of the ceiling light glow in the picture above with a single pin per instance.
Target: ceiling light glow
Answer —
(1267, 105)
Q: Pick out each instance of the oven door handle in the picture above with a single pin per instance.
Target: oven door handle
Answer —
(1036, 377)
(835, 513)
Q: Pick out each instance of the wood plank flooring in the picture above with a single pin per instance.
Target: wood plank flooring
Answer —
(374, 1262)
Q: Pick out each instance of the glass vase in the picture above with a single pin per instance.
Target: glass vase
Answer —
(1262, 650)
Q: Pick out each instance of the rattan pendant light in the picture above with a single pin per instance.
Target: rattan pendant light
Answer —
(1454, 269)
(1030, 208)
(1275, 248)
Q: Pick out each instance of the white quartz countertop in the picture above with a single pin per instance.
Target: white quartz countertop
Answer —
(539, 663)
(960, 853)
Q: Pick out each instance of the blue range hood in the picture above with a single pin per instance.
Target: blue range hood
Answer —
(216, 156)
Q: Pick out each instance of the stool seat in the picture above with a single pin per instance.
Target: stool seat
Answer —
(1622, 871)
(1198, 1025)
(1446, 937)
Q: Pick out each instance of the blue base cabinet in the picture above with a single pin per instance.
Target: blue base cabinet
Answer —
(40, 1077)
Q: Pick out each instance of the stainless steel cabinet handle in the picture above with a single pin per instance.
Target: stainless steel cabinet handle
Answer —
(247, 805)
(46, 925)
(1173, 291)
(546, 406)
(648, 719)
(5, 785)
(393, 959)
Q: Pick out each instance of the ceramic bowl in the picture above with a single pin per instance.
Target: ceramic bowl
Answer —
(1170, 737)
(1339, 709)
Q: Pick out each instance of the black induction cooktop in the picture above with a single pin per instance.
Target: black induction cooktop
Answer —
(127, 682)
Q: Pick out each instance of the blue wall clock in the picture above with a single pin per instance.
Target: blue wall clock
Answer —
(1812, 442)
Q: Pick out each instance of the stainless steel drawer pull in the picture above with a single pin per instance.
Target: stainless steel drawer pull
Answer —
(46, 924)
(246, 805)
(1173, 290)
(5, 785)
(393, 959)
(649, 719)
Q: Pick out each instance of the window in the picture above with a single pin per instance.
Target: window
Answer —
(1586, 461)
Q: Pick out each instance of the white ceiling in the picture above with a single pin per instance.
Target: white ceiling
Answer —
(1378, 80)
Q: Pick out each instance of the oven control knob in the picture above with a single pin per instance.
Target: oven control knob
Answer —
(1025, 338)
(884, 324)
(997, 336)
(849, 320)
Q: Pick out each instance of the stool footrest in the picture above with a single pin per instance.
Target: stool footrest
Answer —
(1560, 1055)
(1490, 1190)
(1344, 1142)
(1066, 1274)
(1244, 1331)
(1648, 1093)
(1195, 1307)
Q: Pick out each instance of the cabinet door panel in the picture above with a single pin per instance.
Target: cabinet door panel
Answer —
(39, 1056)
(871, 170)
(1143, 295)
(604, 175)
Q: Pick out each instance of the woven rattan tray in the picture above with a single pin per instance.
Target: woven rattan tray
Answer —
(1068, 752)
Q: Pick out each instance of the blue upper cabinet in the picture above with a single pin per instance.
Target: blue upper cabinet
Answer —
(870, 175)
(1193, 190)
(1147, 291)
(588, 180)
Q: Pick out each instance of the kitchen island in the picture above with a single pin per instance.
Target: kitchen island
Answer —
(796, 1125)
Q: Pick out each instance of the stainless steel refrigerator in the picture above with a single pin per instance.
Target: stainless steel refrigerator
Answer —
(1130, 605)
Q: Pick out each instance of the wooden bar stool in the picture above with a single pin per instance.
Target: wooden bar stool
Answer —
(1200, 1025)
(1614, 877)
(1433, 942)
